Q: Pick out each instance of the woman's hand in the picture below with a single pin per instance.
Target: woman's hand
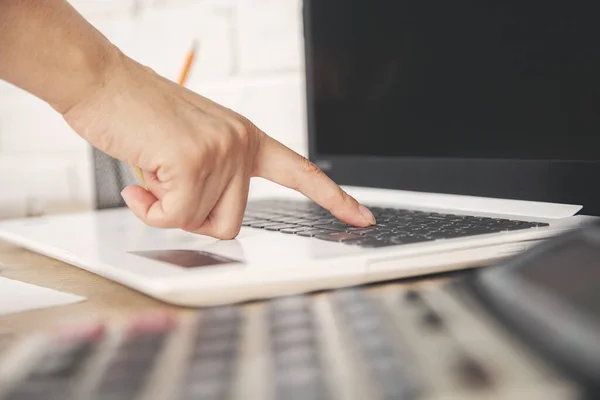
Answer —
(197, 157)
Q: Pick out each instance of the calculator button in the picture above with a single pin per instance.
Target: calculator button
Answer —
(472, 374)
(389, 367)
(53, 375)
(433, 320)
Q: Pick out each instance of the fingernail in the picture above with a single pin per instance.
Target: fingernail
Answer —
(367, 214)
(125, 195)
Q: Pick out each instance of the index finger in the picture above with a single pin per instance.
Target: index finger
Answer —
(281, 165)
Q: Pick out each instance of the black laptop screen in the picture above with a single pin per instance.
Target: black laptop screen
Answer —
(509, 79)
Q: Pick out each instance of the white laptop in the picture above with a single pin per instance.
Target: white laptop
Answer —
(460, 143)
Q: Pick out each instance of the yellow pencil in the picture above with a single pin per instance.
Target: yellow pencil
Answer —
(185, 72)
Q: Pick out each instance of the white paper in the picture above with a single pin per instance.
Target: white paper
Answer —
(16, 296)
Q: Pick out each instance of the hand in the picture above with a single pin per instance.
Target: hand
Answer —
(197, 157)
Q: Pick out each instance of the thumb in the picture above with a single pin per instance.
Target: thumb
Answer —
(139, 200)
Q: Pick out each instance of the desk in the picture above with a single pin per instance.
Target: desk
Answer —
(107, 300)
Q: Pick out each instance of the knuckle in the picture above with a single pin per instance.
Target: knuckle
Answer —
(337, 199)
(193, 162)
(240, 126)
(152, 222)
(248, 133)
(343, 196)
(178, 220)
(177, 217)
(192, 225)
(308, 167)
(239, 134)
(224, 141)
(190, 153)
(149, 70)
(228, 143)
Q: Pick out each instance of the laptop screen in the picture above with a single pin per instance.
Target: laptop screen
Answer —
(416, 86)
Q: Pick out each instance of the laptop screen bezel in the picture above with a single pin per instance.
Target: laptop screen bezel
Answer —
(554, 181)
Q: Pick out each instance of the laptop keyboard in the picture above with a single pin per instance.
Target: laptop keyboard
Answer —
(395, 226)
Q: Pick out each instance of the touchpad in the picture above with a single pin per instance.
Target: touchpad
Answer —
(186, 258)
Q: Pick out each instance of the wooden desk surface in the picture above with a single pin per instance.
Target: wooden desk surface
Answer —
(106, 300)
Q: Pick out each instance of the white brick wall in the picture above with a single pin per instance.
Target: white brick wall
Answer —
(249, 59)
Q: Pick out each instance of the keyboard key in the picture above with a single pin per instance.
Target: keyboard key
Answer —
(332, 227)
(539, 224)
(409, 239)
(294, 230)
(291, 220)
(436, 217)
(260, 224)
(339, 236)
(278, 227)
(273, 224)
(326, 222)
(312, 232)
(361, 231)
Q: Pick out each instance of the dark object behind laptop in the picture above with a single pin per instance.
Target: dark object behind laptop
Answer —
(550, 297)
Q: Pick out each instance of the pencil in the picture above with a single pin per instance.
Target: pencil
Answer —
(189, 60)
(185, 72)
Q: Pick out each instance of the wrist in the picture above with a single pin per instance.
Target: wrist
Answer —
(91, 71)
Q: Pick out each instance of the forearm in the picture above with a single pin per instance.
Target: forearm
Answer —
(51, 51)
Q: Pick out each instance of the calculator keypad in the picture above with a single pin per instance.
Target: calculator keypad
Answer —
(392, 343)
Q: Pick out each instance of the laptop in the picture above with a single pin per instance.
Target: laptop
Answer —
(468, 129)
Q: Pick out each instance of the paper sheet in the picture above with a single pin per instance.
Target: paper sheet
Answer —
(16, 296)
